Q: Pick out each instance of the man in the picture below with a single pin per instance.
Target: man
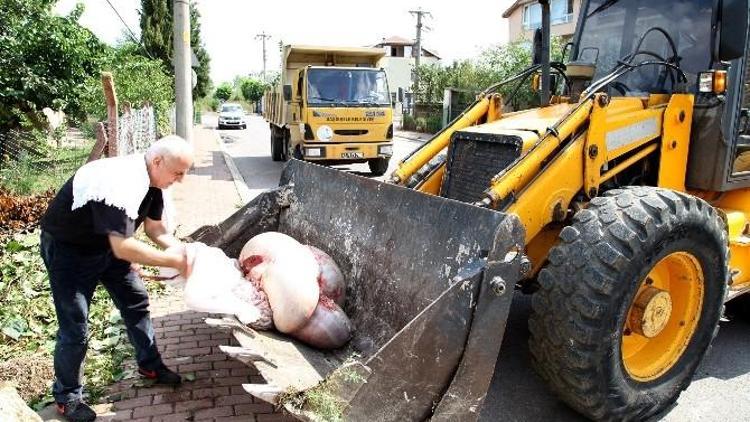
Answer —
(87, 238)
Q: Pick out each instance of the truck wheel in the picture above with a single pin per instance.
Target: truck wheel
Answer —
(629, 302)
(378, 166)
(277, 147)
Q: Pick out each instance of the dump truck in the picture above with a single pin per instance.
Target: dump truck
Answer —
(621, 203)
(332, 105)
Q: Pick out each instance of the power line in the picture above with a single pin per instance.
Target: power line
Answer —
(263, 36)
(132, 34)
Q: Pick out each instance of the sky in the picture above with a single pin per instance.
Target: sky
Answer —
(457, 30)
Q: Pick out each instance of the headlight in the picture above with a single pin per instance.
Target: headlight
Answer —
(314, 152)
(385, 150)
(325, 133)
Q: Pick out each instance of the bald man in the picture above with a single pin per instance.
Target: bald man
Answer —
(87, 238)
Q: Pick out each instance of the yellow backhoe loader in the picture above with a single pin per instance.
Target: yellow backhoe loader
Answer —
(622, 203)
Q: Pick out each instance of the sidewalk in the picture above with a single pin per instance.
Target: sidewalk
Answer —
(213, 388)
(413, 136)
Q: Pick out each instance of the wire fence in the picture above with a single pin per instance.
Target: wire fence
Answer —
(136, 130)
(22, 146)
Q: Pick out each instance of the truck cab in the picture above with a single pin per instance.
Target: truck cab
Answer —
(334, 108)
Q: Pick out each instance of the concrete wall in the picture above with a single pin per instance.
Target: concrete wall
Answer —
(517, 31)
(399, 70)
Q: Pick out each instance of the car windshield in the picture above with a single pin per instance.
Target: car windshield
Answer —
(347, 87)
(611, 30)
(231, 108)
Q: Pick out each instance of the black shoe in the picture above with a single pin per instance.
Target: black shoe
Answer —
(76, 411)
(162, 375)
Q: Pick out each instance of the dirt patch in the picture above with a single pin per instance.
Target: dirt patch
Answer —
(21, 213)
(30, 375)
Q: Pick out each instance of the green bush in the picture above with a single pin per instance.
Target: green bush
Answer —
(28, 322)
(408, 122)
(434, 124)
(138, 80)
(223, 92)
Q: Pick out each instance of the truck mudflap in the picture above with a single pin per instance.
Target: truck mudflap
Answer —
(429, 286)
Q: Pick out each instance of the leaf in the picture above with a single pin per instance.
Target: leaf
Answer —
(13, 246)
(189, 377)
(15, 327)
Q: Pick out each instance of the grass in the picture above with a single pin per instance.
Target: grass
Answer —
(322, 403)
(28, 325)
(30, 175)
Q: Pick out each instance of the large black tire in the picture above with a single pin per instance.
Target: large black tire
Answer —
(378, 166)
(277, 145)
(590, 282)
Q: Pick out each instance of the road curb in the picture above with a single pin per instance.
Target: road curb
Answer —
(239, 182)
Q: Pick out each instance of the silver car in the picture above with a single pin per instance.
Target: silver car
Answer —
(232, 115)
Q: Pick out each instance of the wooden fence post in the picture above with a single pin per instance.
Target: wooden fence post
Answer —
(101, 142)
(111, 98)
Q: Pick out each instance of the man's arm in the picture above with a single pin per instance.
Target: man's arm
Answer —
(135, 251)
(156, 231)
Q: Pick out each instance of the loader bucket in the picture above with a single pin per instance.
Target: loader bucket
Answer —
(429, 286)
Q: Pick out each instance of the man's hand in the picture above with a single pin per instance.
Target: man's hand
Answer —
(187, 251)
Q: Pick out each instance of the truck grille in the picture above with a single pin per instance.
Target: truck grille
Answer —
(350, 132)
(473, 159)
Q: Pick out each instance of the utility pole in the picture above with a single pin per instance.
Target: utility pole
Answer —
(263, 37)
(418, 47)
(183, 71)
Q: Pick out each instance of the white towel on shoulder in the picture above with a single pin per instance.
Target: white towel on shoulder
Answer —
(121, 182)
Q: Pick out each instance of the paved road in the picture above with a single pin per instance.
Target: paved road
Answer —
(719, 392)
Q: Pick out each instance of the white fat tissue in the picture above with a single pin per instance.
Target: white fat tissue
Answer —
(288, 273)
(277, 282)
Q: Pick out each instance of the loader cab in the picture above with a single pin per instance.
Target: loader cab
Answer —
(690, 34)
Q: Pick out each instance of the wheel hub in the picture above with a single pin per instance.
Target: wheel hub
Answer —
(650, 312)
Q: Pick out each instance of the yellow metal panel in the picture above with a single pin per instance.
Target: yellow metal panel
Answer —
(675, 142)
(495, 109)
(433, 182)
(735, 206)
(628, 131)
(524, 170)
(595, 150)
(538, 248)
(537, 119)
(552, 189)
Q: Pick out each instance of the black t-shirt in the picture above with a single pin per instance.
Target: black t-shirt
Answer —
(87, 228)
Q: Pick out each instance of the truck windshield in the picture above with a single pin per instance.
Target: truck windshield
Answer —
(611, 30)
(348, 87)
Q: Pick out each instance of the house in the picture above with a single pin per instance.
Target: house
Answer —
(524, 16)
(399, 62)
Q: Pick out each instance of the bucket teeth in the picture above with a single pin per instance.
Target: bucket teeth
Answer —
(266, 392)
(246, 355)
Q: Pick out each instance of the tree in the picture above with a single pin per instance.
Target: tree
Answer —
(203, 71)
(156, 30)
(252, 89)
(138, 80)
(157, 26)
(223, 91)
(44, 60)
(493, 65)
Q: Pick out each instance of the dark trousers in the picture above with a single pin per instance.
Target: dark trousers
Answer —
(73, 277)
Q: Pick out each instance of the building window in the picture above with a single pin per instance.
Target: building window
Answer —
(561, 11)
(397, 51)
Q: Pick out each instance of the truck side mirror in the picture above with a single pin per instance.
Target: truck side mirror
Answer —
(733, 29)
(287, 92)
